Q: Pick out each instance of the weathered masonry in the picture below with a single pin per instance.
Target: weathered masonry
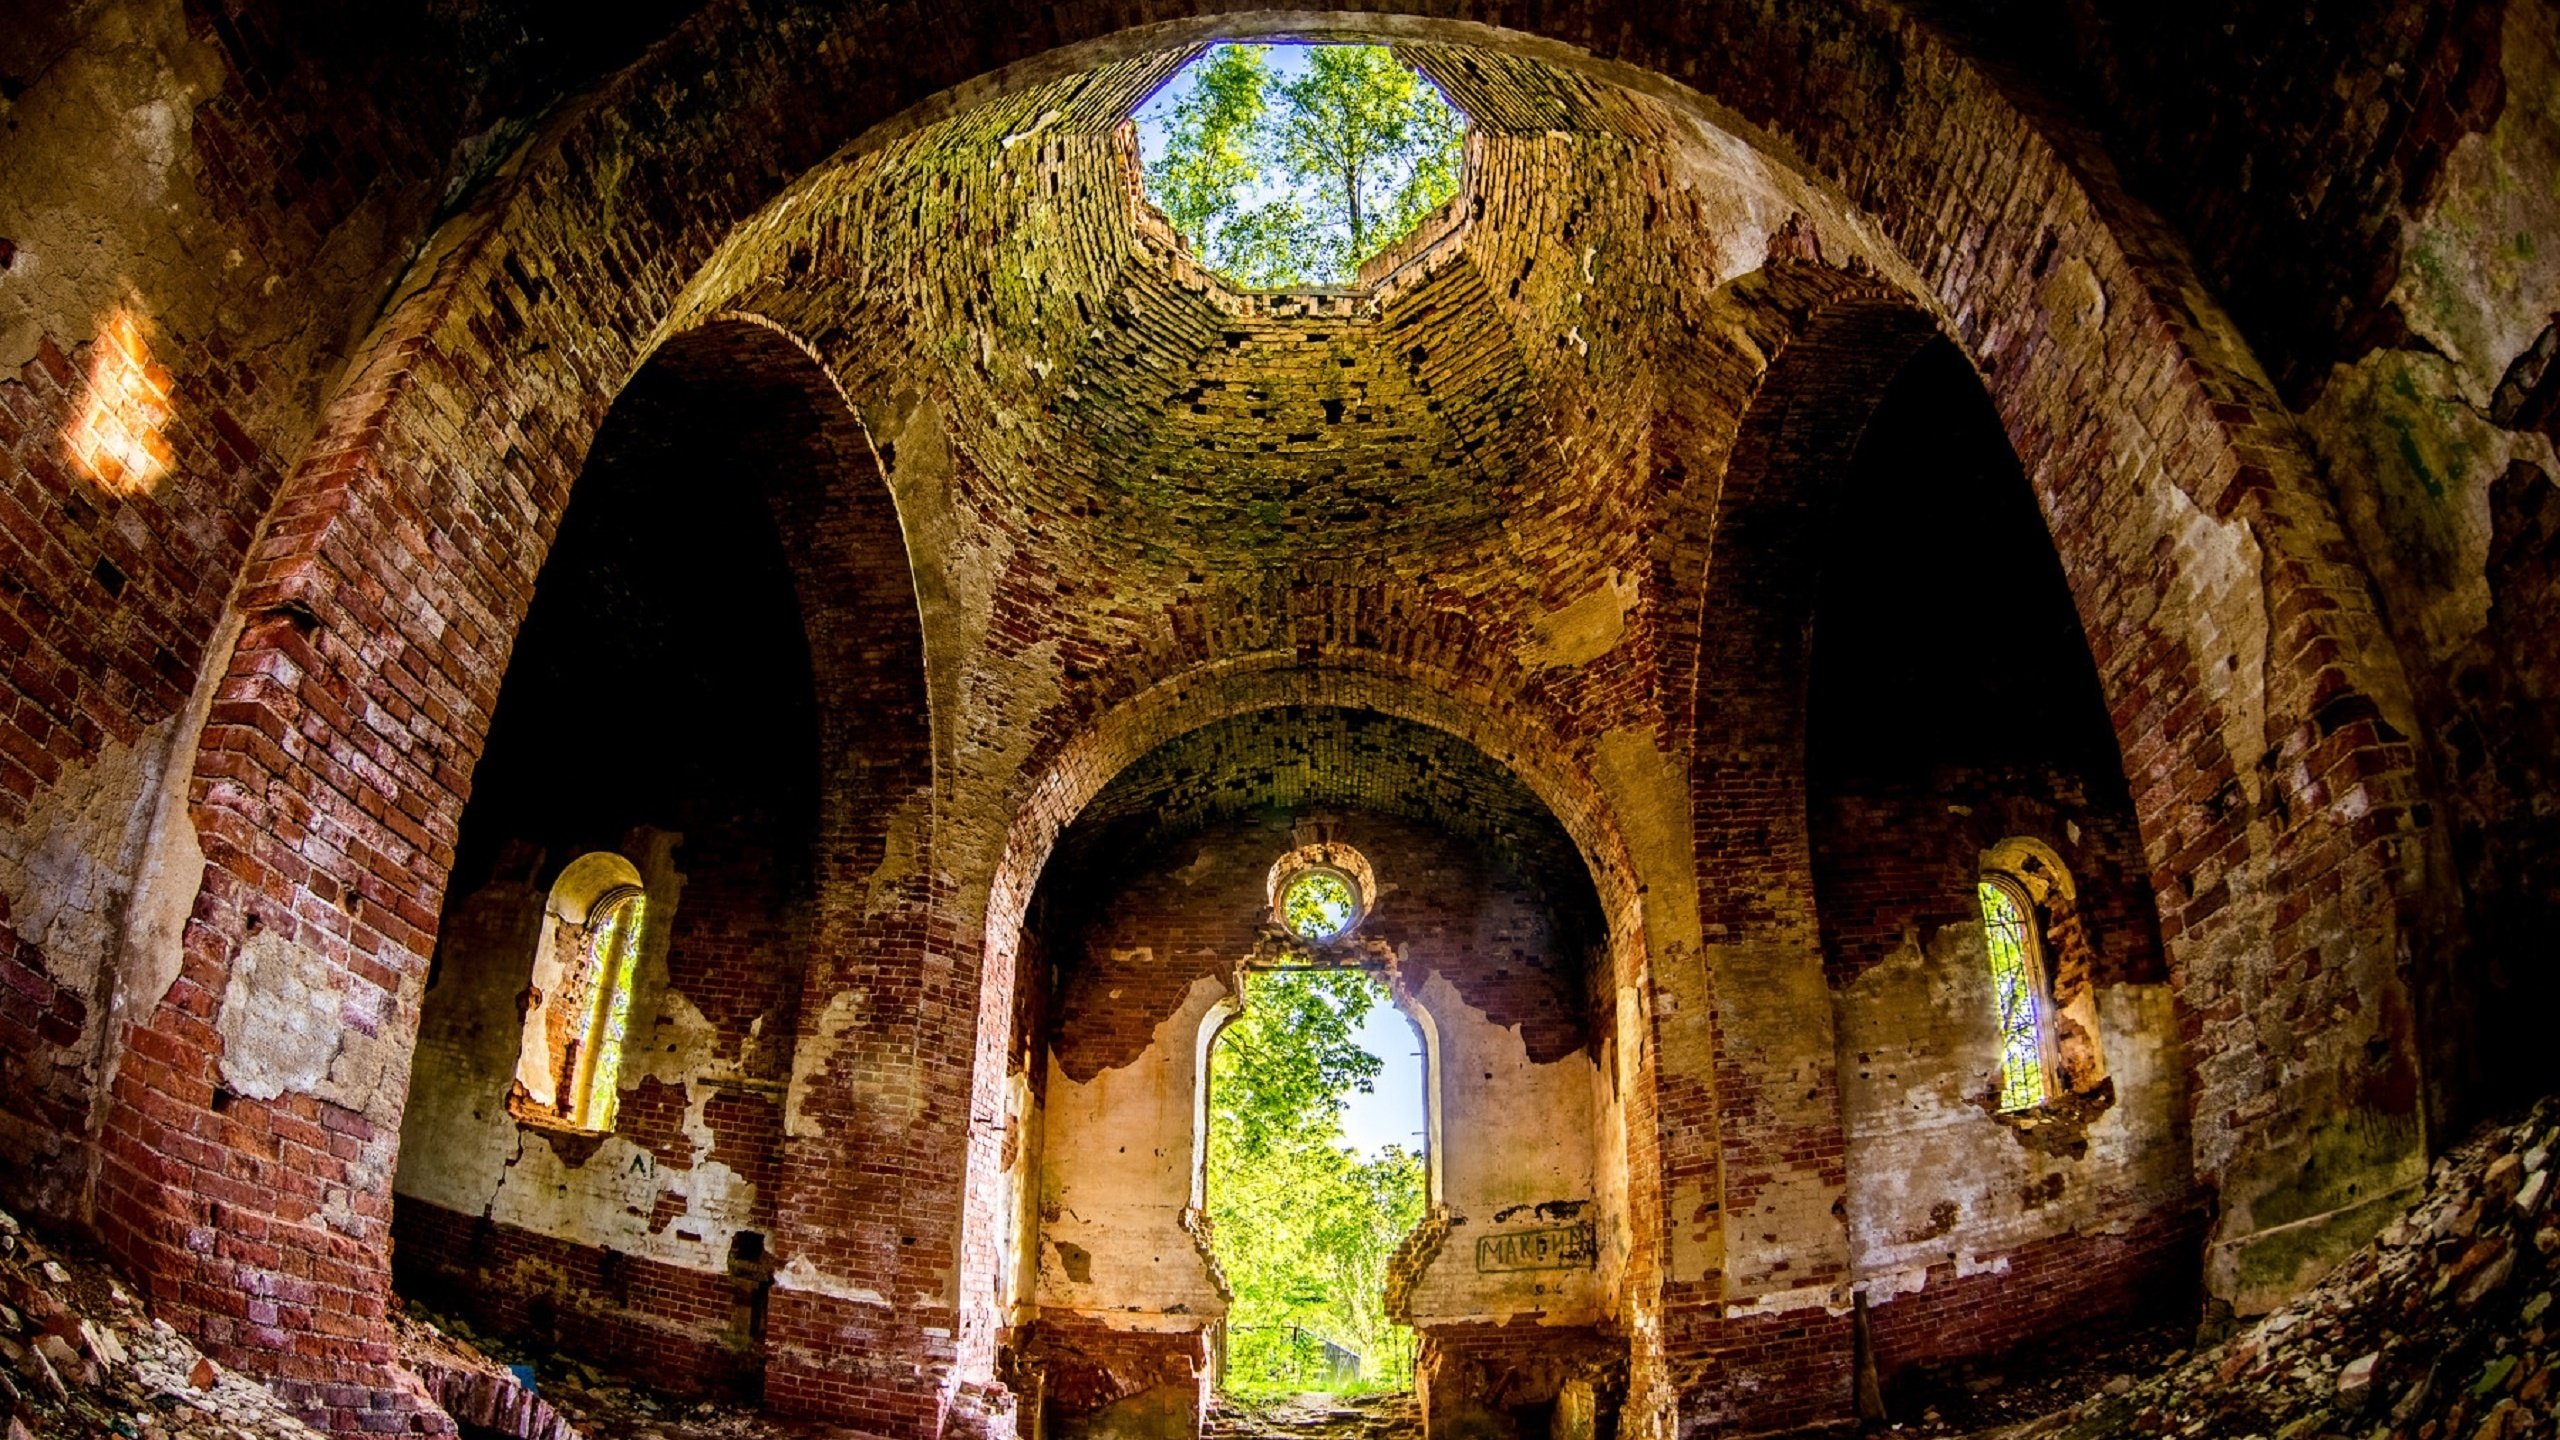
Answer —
(659, 678)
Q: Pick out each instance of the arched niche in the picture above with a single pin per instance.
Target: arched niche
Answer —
(1956, 733)
(717, 697)
(1487, 930)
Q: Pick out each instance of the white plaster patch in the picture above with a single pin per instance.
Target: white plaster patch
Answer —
(1119, 1157)
(845, 1011)
(2220, 584)
(1586, 629)
(280, 1024)
(1832, 1298)
(1969, 1264)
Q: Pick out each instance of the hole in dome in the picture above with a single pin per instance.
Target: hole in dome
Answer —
(1292, 165)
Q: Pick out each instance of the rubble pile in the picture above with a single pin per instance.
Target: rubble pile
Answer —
(481, 1378)
(1393, 1415)
(2442, 1329)
(486, 1397)
(1989, 1395)
(78, 1357)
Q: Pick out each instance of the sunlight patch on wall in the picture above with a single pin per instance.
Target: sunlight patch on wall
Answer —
(117, 440)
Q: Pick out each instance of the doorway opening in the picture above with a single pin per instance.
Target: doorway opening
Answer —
(1316, 1168)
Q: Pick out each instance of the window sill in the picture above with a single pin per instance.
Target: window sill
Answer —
(524, 1112)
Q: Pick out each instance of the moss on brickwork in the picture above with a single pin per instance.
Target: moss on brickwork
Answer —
(306, 344)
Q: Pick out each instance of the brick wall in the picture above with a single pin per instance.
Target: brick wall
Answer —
(689, 1331)
(2142, 1268)
(2264, 725)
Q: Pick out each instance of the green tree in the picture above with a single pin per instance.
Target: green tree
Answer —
(1209, 153)
(1298, 181)
(1303, 1225)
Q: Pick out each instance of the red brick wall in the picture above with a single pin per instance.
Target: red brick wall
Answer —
(2145, 1267)
(685, 1331)
(400, 554)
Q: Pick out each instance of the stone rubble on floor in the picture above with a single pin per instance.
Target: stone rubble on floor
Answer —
(2441, 1329)
(473, 1376)
(1391, 1415)
(78, 1357)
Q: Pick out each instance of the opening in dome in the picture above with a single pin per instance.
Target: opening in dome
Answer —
(1290, 165)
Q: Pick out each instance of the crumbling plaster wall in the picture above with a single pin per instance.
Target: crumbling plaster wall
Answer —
(1119, 1171)
(1936, 1177)
(689, 1163)
(2369, 186)
(1523, 1150)
(537, 289)
(1135, 1015)
(2440, 446)
(136, 229)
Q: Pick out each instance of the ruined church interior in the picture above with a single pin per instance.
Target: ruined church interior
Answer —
(680, 687)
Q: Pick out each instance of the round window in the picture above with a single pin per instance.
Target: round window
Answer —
(1318, 904)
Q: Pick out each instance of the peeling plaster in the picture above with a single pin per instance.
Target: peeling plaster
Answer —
(280, 1026)
(1119, 1155)
(1919, 1044)
(1586, 629)
(463, 1151)
(1500, 1176)
(847, 1012)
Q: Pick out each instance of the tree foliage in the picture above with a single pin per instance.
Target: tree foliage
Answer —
(1303, 1224)
(1296, 181)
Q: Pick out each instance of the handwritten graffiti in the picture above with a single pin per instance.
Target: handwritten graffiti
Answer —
(1561, 1247)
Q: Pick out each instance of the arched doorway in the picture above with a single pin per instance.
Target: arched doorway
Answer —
(1315, 1171)
(713, 710)
(1293, 858)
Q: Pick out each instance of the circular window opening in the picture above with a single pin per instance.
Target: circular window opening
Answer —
(1320, 892)
(1318, 905)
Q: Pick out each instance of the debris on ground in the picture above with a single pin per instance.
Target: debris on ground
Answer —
(78, 1357)
(483, 1380)
(2441, 1329)
(1989, 1395)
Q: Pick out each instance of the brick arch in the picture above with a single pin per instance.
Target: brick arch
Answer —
(872, 632)
(399, 555)
(1390, 685)
(1732, 560)
(839, 531)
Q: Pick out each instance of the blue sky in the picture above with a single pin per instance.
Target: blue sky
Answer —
(1393, 1113)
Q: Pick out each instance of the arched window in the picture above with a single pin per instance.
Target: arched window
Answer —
(2017, 991)
(578, 1007)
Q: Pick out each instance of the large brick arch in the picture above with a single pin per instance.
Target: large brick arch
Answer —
(1594, 814)
(841, 1214)
(378, 605)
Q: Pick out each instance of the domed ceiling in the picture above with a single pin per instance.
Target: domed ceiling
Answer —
(1483, 393)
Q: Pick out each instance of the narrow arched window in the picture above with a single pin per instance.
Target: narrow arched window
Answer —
(2017, 990)
(578, 1006)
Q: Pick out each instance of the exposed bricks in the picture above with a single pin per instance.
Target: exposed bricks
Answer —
(681, 1328)
(2137, 1269)
(1099, 568)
